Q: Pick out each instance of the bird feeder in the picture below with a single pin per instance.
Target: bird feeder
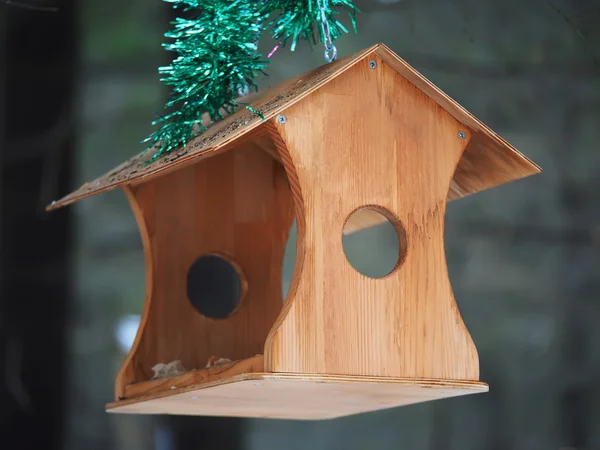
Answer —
(365, 136)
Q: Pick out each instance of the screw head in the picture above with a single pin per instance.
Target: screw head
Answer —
(372, 64)
(461, 135)
(281, 119)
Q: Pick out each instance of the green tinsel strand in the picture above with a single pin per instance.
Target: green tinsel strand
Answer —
(216, 57)
(298, 19)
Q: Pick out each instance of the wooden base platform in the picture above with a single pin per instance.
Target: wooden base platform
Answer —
(292, 396)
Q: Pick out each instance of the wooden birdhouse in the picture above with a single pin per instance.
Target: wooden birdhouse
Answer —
(366, 137)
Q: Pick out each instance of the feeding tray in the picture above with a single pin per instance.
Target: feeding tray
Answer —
(222, 392)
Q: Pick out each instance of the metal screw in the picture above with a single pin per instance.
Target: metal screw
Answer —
(281, 119)
(372, 64)
(461, 135)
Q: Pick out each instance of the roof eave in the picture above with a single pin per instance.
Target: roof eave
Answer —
(488, 160)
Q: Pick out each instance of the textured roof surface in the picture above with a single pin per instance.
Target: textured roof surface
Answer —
(487, 161)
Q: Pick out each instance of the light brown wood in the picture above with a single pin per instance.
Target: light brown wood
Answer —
(207, 375)
(486, 162)
(238, 205)
(362, 219)
(490, 159)
(358, 137)
(293, 396)
(264, 142)
(131, 370)
(220, 137)
(371, 138)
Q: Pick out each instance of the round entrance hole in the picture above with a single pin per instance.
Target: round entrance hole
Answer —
(374, 241)
(215, 286)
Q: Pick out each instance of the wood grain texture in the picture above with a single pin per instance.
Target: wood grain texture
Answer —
(362, 219)
(202, 376)
(491, 159)
(356, 138)
(221, 136)
(293, 396)
(131, 370)
(238, 205)
(371, 138)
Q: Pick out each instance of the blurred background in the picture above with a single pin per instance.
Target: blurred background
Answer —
(78, 90)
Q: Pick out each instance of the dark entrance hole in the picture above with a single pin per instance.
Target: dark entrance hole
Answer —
(215, 286)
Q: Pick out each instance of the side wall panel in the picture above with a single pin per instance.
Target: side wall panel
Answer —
(370, 138)
(237, 204)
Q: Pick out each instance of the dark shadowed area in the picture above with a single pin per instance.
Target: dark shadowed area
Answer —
(78, 91)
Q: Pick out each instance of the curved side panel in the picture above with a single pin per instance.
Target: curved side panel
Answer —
(370, 138)
(237, 205)
(127, 374)
(286, 160)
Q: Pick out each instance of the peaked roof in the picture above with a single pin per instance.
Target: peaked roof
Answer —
(487, 161)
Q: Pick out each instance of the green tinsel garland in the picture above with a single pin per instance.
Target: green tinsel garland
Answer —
(217, 57)
(297, 19)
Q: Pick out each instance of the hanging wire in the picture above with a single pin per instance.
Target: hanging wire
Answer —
(330, 48)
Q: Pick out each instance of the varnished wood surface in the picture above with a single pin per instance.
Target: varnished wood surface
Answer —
(221, 136)
(355, 137)
(399, 156)
(237, 205)
(206, 375)
(294, 396)
(488, 162)
(362, 219)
